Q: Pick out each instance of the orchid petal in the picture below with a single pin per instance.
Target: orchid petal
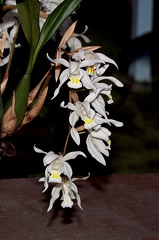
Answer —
(75, 136)
(101, 146)
(74, 188)
(86, 81)
(99, 107)
(90, 62)
(64, 75)
(83, 178)
(100, 120)
(106, 130)
(102, 69)
(116, 123)
(50, 157)
(72, 155)
(55, 194)
(58, 88)
(58, 61)
(100, 135)
(46, 185)
(85, 38)
(42, 179)
(98, 79)
(94, 151)
(71, 106)
(106, 59)
(39, 150)
(67, 170)
(93, 95)
(115, 80)
(73, 118)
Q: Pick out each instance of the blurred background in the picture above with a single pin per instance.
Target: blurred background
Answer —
(128, 32)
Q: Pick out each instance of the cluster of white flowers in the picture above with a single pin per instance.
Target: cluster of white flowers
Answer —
(8, 30)
(83, 70)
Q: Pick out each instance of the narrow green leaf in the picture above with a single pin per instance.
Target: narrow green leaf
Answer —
(54, 21)
(21, 97)
(28, 11)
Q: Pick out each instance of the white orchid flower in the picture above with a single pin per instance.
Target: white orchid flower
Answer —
(83, 111)
(75, 43)
(10, 18)
(98, 142)
(97, 101)
(97, 148)
(49, 5)
(53, 173)
(8, 44)
(54, 170)
(10, 22)
(74, 72)
(69, 192)
(56, 165)
(98, 68)
(95, 97)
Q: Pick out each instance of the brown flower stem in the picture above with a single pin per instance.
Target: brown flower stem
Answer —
(63, 50)
(66, 142)
(67, 138)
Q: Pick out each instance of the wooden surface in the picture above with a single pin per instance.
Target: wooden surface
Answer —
(116, 207)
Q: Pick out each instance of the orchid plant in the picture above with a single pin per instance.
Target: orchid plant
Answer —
(80, 68)
(38, 25)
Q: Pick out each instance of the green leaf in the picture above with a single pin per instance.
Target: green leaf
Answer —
(29, 18)
(21, 97)
(28, 11)
(54, 21)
